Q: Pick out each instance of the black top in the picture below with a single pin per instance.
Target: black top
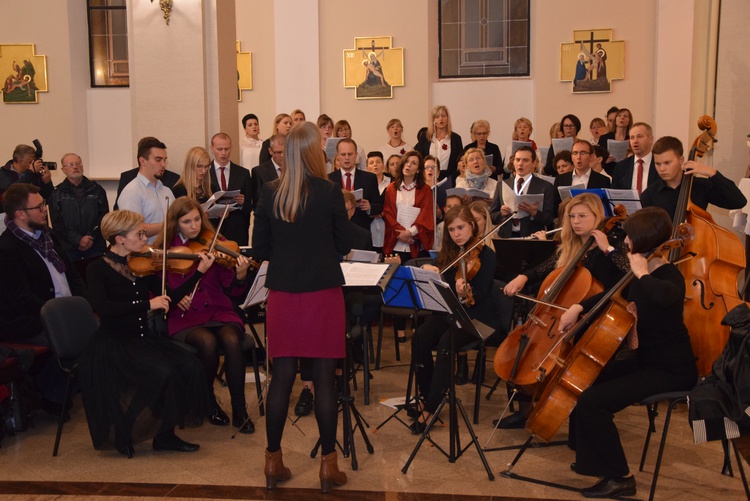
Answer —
(179, 190)
(237, 222)
(481, 288)
(497, 158)
(716, 190)
(368, 182)
(303, 256)
(457, 149)
(77, 211)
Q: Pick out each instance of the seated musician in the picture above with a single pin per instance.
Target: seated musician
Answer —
(207, 320)
(664, 360)
(606, 260)
(670, 164)
(433, 379)
(135, 385)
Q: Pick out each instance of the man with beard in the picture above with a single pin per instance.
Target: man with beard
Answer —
(34, 270)
(146, 194)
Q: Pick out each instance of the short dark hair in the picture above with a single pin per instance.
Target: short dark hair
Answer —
(563, 155)
(145, 145)
(527, 148)
(648, 228)
(667, 143)
(378, 154)
(21, 151)
(613, 109)
(346, 140)
(16, 197)
(576, 122)
(600, 152)
(248, 117)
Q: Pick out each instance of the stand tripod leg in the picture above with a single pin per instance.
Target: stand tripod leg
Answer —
(425, 434)
(409, 400)
(475, 441)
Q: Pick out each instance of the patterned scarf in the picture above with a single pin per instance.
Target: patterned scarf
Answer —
(43, 245)
(477, 180)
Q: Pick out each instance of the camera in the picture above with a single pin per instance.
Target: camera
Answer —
(38, 155)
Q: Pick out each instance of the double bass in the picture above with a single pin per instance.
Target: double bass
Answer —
(522, 358)
(710, 264)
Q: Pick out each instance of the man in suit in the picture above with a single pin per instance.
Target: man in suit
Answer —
(351, 179)
(34, 270)
(581, 173)
(169, 179)
(540, 217)
(637, 172)
(270, 169)
(227, 176)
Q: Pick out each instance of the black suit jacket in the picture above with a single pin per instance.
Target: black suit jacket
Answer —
(304, 255)
(369, 184)
(237, 223)
(265, 155)
(596, 180)
(169, 179)
(529, 225)
(622, 176)
(262, 174)
(25, 285)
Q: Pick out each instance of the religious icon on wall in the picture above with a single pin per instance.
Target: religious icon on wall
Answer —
(592, 61)
(244, 71)
(24, 73)
(373, 68)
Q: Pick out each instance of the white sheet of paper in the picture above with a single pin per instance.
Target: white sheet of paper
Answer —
(407, 214)
(358, 194)
(258, 291)
(488, 159)
(629, 198)
(518, 144)
(562, 144)
(509, 197)
(227, 196)
(331, 143)
(565, 190)
(218, 209)
(429, 297)
(549, 179)
(618, 149)
(529, 199)
(363, 273)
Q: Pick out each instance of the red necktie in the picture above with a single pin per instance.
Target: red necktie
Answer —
(639, 179)
(348, 185)
(519, 185)
(223, 179)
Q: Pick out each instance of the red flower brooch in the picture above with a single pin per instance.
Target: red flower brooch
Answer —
(403, 151)
(445, 146)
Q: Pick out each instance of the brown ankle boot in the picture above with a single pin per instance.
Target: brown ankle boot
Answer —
(275, 470)
(329, 472)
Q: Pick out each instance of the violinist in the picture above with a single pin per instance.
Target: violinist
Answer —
(474, 290)
(606, 260)
(664, 360)
(206, 319)
(670, 163)
(195, 182)
(135, 384)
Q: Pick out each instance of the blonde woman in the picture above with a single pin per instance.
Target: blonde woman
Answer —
(395, 145)
(480, 132)
(195, 182)
(440, 141)
(522, 130)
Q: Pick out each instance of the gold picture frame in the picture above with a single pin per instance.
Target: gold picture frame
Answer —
(373, 67)
(24, 73)
(592, 61)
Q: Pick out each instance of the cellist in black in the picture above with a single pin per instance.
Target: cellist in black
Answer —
(664, 359)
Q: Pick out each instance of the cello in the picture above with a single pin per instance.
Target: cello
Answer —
(518, 358)
(710, 264)
(602, 331)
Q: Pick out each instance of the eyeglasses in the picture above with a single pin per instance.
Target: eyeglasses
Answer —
(202, 167)
(569, 126)
(579, 153)
(141, 234)
(430, 167)
(73, 164)
(42, 207)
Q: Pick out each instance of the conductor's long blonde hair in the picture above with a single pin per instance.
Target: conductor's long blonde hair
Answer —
(570, 243)
(303, 159)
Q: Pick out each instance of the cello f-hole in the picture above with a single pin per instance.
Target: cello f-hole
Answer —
(701, 286)
(551, 330)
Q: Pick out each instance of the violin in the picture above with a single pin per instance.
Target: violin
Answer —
(226, 252)
(468, 267)
(178, 260)
(601, 331)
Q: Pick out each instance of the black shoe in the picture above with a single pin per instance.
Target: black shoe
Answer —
(171, 442)
(417, 427)
(512, 422)
(305, 403)
(573, 466)
(611, 487)
(126, 450)
(217, 416)
(462, 370)
(241, 420)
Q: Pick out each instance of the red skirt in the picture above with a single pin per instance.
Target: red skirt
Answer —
(306, 324)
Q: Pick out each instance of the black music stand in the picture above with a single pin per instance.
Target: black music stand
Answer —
(358, 283)
(410, 288)
(461, 320)
(515, 255)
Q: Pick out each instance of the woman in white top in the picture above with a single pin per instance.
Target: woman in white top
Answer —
(395, 145)
(250, 143)
(440, 141)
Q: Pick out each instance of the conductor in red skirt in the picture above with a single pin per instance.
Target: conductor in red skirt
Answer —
(301, 228)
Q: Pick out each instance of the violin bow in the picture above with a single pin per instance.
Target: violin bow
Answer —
(210, 250)
(476, 244)
(164, 254)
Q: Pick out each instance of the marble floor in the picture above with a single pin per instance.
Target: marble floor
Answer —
(231, 467)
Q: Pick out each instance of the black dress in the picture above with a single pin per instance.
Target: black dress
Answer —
(134, 385)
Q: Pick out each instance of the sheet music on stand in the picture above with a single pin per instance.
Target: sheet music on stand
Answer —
(610, 198)
(410, 285)
(460, 315)
(258, 291)
(367, 275)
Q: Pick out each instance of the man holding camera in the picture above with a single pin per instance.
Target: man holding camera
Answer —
(25, 167)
